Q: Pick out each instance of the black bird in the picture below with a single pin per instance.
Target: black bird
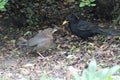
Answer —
(84, 29)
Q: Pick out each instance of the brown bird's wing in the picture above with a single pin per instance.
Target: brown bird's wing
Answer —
(39, 38)
(44, 45)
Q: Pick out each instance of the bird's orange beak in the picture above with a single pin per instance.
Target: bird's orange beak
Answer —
(65, 22)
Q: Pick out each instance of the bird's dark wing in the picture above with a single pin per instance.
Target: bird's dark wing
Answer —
(93, 29)
(84, 29)
(84, 25)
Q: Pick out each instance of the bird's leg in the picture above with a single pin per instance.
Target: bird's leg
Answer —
(40, 55)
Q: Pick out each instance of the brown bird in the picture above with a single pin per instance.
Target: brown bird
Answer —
(41, 41)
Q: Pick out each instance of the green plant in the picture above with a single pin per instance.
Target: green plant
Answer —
(3, 78)
(74, 48)
(45, 77)
(27, 33)
(118, 37)
(84, 3)
(2, 5)
(92, 74)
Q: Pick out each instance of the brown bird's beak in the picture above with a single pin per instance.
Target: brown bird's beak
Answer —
(65, 22)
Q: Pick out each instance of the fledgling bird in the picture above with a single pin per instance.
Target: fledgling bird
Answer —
(41, 41)
(84, 29)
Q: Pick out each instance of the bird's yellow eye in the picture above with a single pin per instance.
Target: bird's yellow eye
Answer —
(65, 22)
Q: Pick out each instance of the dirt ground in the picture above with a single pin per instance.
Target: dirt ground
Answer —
(15, 64)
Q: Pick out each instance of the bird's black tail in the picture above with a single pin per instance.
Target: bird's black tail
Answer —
(106, 32)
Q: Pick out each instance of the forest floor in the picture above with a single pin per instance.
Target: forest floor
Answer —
(15, 64)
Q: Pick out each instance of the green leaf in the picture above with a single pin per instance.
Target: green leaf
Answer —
(109, 78)
(3, 8)
(82, 4)
(3, 2)
(87, 3)
(113, 70)
(92, 0)
(93, 4)
(92, 69)
(102, 73)
(76, 76)
(2, 5)
(85, 75)
(44, 77)
(92, 66)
